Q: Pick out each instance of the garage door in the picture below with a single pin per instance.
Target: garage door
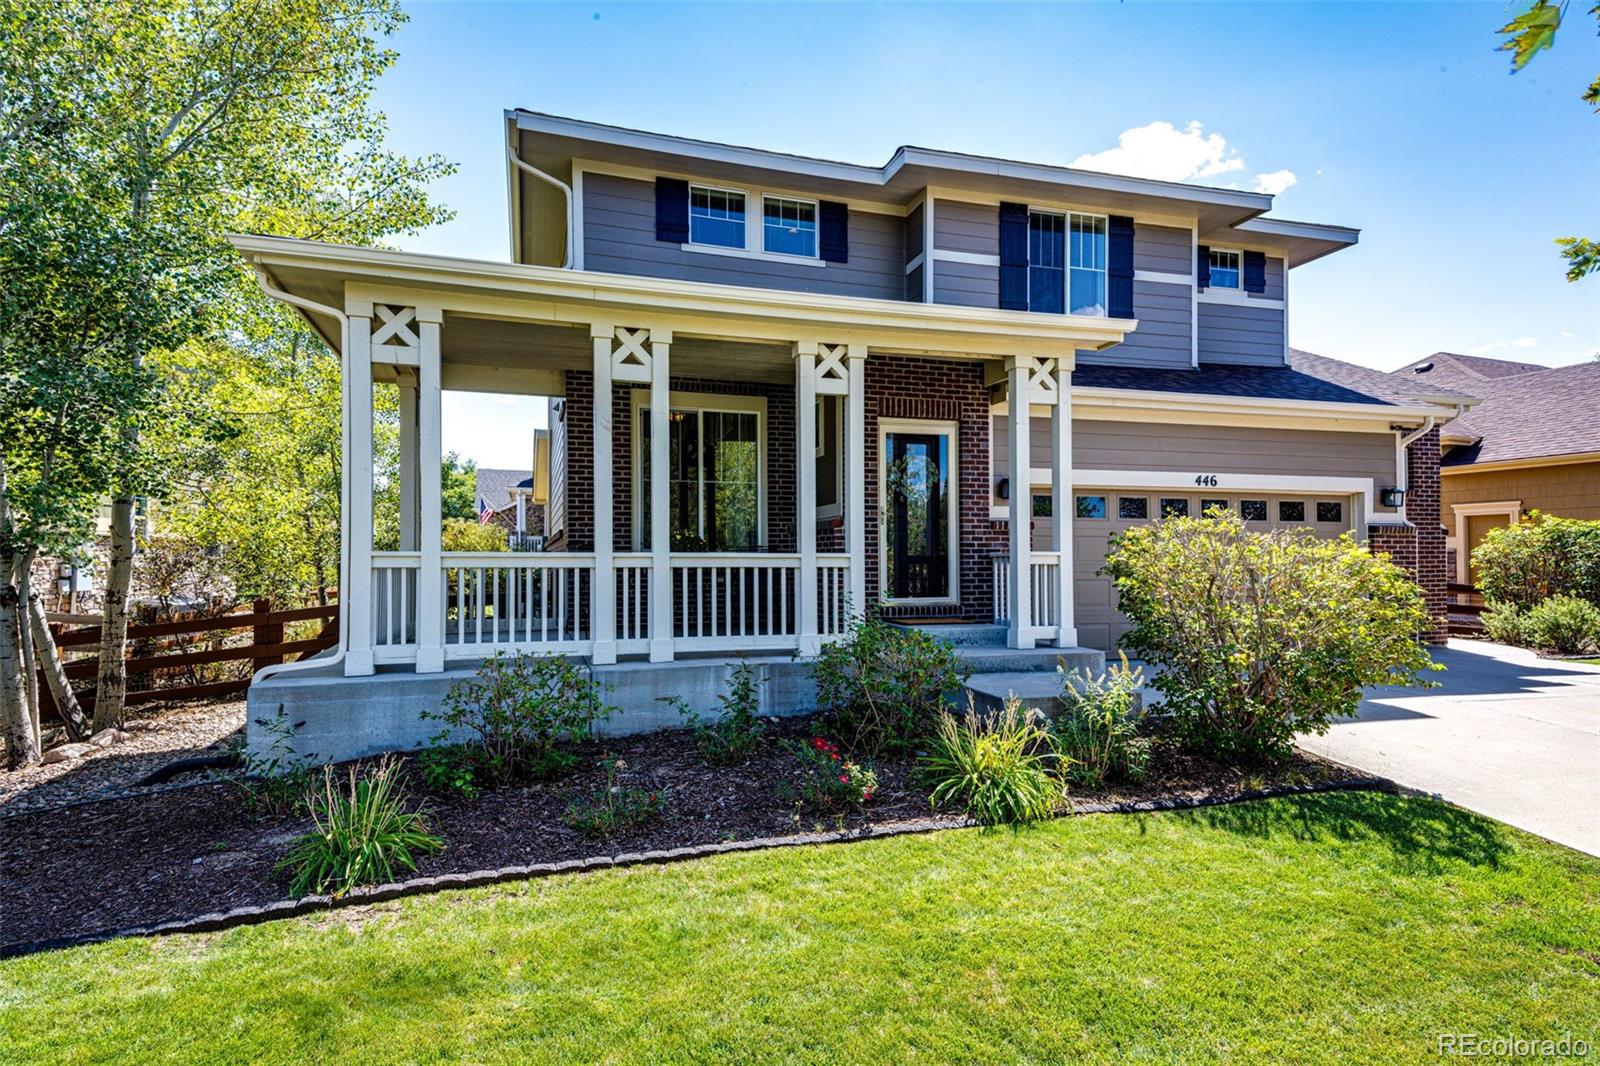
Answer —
(1102, 512)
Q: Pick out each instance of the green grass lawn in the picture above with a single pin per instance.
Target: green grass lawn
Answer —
(1348, 927)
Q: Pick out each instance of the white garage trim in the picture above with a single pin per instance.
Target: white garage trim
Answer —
(1361, 487)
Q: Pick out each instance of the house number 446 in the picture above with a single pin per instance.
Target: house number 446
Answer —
(1206, 481)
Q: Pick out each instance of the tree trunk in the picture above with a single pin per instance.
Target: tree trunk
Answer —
(55, 672)
(22, 742)
(25, 647)
(112, 682)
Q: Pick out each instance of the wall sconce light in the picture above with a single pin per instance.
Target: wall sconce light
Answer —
(1393, 497)
(1002, 488)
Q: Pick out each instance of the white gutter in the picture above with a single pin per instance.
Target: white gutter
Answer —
(572, 225)
(1402, 472)
(304, 304)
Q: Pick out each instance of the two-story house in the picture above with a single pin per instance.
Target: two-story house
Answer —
(783, 390)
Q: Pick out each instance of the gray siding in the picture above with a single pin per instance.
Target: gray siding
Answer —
(1165, 331)
(1196, 449)
(915, 227)
(1163, 248)
(1274, 290)
(967, 284)
(1230, 333)
(619, 222)
(962, 227)
(914, 282)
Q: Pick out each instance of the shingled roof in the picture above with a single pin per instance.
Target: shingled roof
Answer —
(1308, 376)
(495, 485)
(1528, 411)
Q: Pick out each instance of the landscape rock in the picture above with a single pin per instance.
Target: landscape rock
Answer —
(67, 752)
(103, 739)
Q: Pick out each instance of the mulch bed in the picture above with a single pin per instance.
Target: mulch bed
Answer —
(143, 858)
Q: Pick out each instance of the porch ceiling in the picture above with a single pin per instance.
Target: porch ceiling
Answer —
(495, 306)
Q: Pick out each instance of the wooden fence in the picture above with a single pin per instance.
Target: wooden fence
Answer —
(156, 649)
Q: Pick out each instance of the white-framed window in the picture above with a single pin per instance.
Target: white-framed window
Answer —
(1225, 268)
(716, 216)
(717, 458)
(1067, 262)
(789, 226)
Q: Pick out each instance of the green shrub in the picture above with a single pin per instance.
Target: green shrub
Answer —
(830, 782)
(729, 739)
(997, 767)
(274, 782)
(513, 717)
(363, 834)
(1263, 635)
(1097, 732)
(465, 535)
(884, 686)
(1506, 623)
(1540, 557)
(449, 768)
(616, 808)
(1566, 623)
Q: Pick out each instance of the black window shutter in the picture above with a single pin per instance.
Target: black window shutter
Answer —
(1202, 267)
(1255, 272)
(672, 210)
(834, 237)
(1014, 257)
(1119, 267)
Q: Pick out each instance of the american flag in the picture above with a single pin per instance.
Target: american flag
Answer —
(485, 512)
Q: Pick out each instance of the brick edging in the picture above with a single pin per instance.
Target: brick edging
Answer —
(217, 921)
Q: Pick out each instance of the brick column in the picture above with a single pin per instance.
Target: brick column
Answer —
(1420, 547)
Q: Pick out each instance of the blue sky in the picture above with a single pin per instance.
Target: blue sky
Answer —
(1400, 119)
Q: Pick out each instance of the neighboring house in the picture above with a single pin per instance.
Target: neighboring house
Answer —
(785, 389)
(516, 498)
(1533, 443)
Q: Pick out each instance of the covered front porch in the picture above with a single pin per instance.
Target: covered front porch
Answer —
(843, 467)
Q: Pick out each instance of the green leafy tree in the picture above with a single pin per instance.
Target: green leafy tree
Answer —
(1263, 635)
(1528, 34)
(458, 488)
(195, 118)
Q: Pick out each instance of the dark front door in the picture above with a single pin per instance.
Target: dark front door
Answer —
(918, 489)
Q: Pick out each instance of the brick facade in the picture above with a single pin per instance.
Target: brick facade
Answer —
(946, 390)
(780, 452)
(1420, 547)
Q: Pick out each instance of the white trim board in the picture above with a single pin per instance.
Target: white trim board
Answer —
(1512, 509)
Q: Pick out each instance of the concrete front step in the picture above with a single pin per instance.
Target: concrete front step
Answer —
(963, 634)
(1039, 691)
(984, 659)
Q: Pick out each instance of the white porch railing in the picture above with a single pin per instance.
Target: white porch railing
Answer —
(1044, 597)
(511, 601)
(833, 592)
(394, 601)
(734, 602)
(541, 602)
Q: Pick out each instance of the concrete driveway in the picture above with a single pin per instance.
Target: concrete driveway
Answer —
(1507, 734)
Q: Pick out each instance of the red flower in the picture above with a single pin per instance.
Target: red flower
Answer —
(834, 756)
(845, 778)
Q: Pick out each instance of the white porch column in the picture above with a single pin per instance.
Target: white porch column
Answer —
(355, 591)
(1019, 632)
(430, 506)
(805, 420)
(522, 514)
(603, 593)
(660, 504)
(408, 464)
(1064, 508)
(858, 460)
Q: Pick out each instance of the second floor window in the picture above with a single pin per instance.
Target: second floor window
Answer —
(716, 217)
(789, 227)
(1067, 263)
(1224, 269)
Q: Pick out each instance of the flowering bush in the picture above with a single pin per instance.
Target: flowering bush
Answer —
(829, 781)
(616, 807)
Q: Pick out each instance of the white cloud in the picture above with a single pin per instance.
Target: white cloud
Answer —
(1520, 342)
(1274, 181)
(1162, 151)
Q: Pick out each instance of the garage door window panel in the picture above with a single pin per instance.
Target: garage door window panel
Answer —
(1133, 508)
